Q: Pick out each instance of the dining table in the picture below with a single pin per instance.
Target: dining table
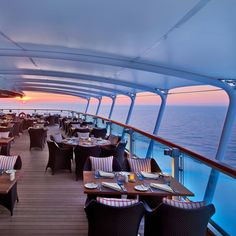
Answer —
(90, 142)
(8, 189)
(94, 185)
(6, 142)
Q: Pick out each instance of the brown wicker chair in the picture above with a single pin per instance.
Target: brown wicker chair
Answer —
(81, 155)
(37, 137)
(113, 221)
(59, 158)
(168, 220)
(99, 132)
(151, 200)
(117, 151)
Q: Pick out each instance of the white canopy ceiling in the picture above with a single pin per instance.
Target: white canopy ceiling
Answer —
(104, 48)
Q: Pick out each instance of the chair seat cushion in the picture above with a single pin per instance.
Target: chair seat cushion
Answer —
(137, 165)
(117, 202)
(102, 163)
(184, 205)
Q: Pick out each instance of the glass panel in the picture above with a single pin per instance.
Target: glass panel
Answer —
(162, 160)
(224, 202)
(101, 123)
(117, 129)
(89, 118)
(141, 144)
(195, 177)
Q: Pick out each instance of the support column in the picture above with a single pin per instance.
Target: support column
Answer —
(158, 123)
(99, 104)
(131, 145)
(87, 106)
(224, 140)
(132, 97)
(112, 106)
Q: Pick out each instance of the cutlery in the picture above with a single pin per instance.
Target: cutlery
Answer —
(149, 187)
(122, 187)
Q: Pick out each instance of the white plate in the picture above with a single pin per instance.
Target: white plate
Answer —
(141, 188)
(91, 185)
(10, 171)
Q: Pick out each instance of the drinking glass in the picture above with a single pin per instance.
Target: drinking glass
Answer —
(97, 175)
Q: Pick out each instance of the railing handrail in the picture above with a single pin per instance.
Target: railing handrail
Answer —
(222, 167)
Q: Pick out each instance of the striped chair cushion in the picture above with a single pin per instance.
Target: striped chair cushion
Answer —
(83, 135)
(117, 202)
(185, 205)
(4, 134)
(102, 163)
(137, 165)
(7, 162)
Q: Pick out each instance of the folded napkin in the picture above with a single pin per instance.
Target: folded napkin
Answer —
(106, 174)
(149, 175)
(114, 186)
(164, 187)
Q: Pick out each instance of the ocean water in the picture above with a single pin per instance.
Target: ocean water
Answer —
(194, 127)
(197, 128)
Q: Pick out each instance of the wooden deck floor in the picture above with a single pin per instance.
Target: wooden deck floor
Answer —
(49, 205)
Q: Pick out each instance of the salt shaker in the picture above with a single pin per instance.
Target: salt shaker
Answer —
(126, 179)
(12, 176)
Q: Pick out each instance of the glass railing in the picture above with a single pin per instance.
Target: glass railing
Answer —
(193, 169)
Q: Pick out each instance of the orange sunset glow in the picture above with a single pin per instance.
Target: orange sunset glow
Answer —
(198, 95)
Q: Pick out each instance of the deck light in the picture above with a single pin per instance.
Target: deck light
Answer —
(230, 82)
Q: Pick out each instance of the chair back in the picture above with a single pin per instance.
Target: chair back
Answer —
(59, 158)
(115, 165)
(99, 133)
(83, 135)
(120, 152)
(81, 155)
(154, 166)
(108, 220)
(169, 220)
(114, 139)
(37, 137)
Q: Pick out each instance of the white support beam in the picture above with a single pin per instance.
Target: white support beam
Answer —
(63, 88)
(106, 59)
(87, 106)
(61, 74)
(99, 104)
(48, 81)
(158, 123)
(112, 107)
(56, 91)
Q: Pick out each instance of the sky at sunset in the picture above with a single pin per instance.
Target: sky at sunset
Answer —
(180, 96)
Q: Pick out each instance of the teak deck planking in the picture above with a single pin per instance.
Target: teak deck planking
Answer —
(48, 204)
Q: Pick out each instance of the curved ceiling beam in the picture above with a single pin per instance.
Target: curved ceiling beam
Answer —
(41, 80)
(105, 59)
(61, 74)
(43, 86)
(64, 86)
(55, 91)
